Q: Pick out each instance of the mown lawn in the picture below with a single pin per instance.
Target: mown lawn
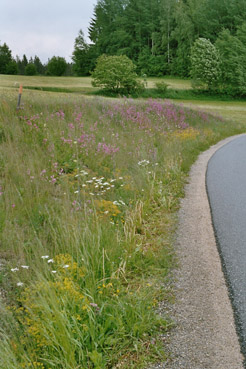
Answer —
(89, 192)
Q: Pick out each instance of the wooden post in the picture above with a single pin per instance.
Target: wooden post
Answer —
(19, 97)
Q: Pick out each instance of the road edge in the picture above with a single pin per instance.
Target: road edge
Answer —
(205, 332)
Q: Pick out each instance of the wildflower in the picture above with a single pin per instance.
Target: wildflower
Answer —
(50, 261)
(25, 266)
(94, 305)
(143, 162)
(14, 269)
(54, 271)
(65, 266)
(13, 205)
(19, 284)
(76, 191)
(45, 257)
(92, 194)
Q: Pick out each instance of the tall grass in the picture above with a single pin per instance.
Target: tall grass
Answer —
(89, 190)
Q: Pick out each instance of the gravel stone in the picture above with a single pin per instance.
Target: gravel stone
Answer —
(204, 336)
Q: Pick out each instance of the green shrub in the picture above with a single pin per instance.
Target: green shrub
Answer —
(161, 87)
(117, 74)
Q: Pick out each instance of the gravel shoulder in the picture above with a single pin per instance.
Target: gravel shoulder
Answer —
(204, 335)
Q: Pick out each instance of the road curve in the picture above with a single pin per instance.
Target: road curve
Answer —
(226, 188)
(204, 336)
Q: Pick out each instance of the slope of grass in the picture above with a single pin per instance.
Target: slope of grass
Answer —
(89, 190)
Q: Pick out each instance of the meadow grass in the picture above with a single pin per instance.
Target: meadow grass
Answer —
(89, 191)
(78, 83)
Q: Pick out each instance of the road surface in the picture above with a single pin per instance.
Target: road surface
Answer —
(226, 188)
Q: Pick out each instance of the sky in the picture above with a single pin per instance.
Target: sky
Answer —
(44, 28)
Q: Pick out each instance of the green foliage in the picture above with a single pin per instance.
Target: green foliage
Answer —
(161, 87)
(115, 73)
(205, 64)
(56, 66)
(39, 66)
(80, 56)
(5, 58)
(151, 65)
(30, 69)
(11, 67)
(233, 61)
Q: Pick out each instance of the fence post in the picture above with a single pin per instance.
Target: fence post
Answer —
(19, 97)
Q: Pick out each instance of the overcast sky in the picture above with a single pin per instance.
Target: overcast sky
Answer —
(44, 28)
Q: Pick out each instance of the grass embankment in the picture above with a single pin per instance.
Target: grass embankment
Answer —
(89, 191)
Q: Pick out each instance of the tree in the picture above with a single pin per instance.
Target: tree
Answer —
(80, 57)
(38, 64)
(11, 68)
(5, 58)
(183, 36)
(30, 69)
(233, 60)
(56, 66)
(115, 73)
(205, 64)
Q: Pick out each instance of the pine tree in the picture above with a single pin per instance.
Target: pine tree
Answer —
(80, 56)
(5, 58)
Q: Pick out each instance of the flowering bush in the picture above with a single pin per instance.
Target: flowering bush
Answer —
(205, 64)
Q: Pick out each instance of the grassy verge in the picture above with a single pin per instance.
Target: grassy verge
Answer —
(89, 191)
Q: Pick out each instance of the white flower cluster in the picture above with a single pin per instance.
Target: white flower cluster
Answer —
(143, 163)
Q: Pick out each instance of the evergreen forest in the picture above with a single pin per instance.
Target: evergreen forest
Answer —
(157, 35)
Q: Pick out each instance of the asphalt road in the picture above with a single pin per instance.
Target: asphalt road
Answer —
(226, 188)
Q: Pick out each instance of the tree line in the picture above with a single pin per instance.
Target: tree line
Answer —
(56, 66)
(158, 36)
(202, 39)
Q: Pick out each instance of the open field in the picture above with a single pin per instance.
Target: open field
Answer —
(232, 110)
(175, 83)
(89, 190)
(45, 81)
(76, 84)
